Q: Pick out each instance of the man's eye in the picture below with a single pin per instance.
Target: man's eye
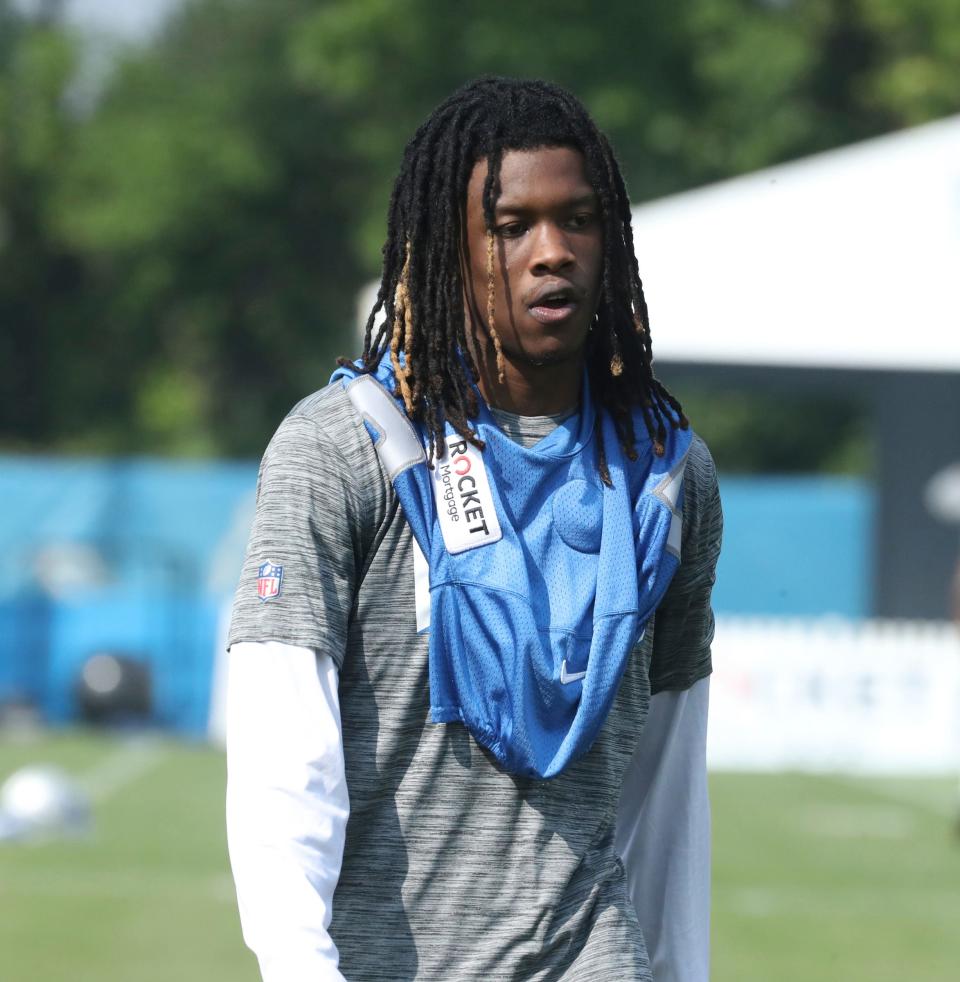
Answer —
(581, 220)
(511, 230)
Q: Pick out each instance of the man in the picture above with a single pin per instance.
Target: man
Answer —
(942, 498)
(447, 608)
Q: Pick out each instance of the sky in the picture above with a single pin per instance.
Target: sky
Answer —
(126, 19)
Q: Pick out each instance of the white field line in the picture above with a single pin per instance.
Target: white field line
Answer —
(121, 767)
(117, 885)
(880, 821)
(838, 901)
(894, 792)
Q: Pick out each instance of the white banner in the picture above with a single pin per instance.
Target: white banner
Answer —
(835, 695)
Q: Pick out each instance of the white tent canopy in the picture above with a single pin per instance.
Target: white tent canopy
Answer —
(849, 259)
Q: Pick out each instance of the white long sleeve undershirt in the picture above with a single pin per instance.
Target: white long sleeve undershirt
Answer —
(663, 834)
(287, 806)
(287, 810)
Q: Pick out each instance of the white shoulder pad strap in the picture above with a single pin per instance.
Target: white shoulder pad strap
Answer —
(397, 443)
(668, 491)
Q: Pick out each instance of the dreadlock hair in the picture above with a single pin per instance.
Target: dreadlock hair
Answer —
(423, 324)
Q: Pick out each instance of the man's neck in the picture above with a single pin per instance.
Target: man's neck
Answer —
(532, 390)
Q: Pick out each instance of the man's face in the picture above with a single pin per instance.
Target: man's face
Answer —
(548, 254)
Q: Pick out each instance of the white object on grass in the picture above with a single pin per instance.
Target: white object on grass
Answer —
(41, 801)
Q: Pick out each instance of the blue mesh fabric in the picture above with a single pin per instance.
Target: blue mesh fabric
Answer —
(579, 570)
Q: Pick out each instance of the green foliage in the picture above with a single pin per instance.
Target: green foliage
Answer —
(37, 276)
(749, 431)
(179, 262)
(917, 74)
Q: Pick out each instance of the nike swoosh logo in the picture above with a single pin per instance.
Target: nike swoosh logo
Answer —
(567, 677)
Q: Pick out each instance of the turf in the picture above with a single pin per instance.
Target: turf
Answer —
(147, 897)
(825, 878)
(835, 878)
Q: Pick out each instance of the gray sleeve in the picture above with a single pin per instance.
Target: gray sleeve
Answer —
(307, 523)
(683, 626)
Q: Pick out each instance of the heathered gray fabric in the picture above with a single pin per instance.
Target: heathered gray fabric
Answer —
(528, 430)
(453, 869)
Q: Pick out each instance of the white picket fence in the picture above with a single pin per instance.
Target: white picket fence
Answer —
(834, 695)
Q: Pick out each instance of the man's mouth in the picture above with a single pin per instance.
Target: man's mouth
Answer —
(552, 306)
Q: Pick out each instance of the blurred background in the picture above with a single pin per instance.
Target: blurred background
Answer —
(192, 201)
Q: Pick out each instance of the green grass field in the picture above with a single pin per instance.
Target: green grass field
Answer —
(816, 878)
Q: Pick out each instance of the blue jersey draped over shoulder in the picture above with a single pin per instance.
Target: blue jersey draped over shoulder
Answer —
(532, 623)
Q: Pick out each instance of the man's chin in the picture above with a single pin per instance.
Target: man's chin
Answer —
(548, 360)
(553, 356)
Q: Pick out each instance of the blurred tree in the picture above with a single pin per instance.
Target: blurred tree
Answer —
(787, 433)
(180, 261)
(915, 73)
(204, 192)
(38, 276)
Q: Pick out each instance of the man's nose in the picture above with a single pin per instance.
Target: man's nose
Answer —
(551, 249)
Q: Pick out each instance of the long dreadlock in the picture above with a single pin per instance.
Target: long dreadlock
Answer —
(423, 328)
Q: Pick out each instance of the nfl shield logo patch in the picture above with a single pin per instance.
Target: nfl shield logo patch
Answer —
(269, 578)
